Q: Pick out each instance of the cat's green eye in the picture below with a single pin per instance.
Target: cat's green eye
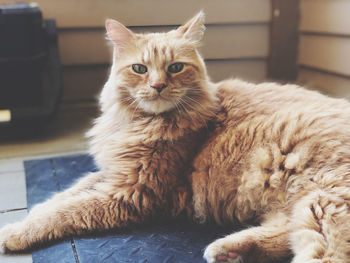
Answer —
(139, 68)
(176, 67)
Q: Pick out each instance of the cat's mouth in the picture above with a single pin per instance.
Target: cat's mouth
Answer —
(156, 98)
(156, 104)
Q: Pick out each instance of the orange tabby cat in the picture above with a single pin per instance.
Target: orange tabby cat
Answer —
(170, 142)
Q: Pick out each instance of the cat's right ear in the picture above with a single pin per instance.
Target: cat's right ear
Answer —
(118, 33)
(194, 29)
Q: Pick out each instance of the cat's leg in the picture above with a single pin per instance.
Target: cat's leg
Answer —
(85, 183)
(78, 210)
(321, 229)
(256, 244)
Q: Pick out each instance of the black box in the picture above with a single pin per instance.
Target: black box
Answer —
(28, 55)
(22, 56)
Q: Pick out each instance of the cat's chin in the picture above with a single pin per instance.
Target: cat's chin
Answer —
(156, 106)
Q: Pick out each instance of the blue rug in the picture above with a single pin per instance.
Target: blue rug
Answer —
(178, 242)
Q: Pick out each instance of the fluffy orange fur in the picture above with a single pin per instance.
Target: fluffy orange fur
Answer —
(229, 152)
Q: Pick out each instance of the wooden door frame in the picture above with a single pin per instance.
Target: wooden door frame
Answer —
(282, 62)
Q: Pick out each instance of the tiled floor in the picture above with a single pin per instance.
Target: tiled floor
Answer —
(65, 135)
(13, 203)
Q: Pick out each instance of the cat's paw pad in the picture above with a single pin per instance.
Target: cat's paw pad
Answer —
(216, 253)
(230, 257)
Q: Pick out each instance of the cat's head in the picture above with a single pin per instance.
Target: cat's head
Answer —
(156, 72)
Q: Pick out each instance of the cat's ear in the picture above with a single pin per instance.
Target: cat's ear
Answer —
(194, 28)
(118, 33)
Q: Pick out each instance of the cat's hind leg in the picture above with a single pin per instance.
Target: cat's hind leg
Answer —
(321, 229)
(256, 244)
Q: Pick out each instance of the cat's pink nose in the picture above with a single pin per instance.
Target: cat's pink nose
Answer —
(158, 86)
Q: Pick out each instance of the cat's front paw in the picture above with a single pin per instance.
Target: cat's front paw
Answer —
(11, 239)
(219, 251)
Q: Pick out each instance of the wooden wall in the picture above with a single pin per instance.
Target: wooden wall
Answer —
(324, 47)
(236, 41)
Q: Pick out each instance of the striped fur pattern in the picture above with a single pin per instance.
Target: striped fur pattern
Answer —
(231, 152)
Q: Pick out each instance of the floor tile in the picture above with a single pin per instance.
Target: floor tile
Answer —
(58, 253)
(20, 258)
(11, 165)
(11, 217)
(41, 184)
(12, 190)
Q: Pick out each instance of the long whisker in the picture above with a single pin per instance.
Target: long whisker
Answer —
(210, 112)
(199, 113)
(183, 106)
(138, 104)
(131, 104)
(126, 99)
(176, 106)
(189, 115)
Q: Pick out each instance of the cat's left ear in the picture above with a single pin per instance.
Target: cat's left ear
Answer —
(194, 29)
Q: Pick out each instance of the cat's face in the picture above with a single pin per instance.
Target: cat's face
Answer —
(158, 72)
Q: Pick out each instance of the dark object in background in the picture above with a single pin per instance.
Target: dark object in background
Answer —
(30, 72)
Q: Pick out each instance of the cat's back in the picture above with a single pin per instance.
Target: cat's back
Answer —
(287, 116)
(283, 111)
(271, 98)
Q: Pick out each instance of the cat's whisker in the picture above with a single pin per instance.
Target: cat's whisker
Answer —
(176, 92)
(131, 104)
(138, 104)
(181, 103)
(199, 113)
(206, 110)
(176, 106)
(127, 99)
(183, 106)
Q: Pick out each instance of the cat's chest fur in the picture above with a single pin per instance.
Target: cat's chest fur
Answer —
(151, 153)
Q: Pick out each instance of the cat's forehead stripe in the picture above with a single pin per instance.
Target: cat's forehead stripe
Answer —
(154, 53)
